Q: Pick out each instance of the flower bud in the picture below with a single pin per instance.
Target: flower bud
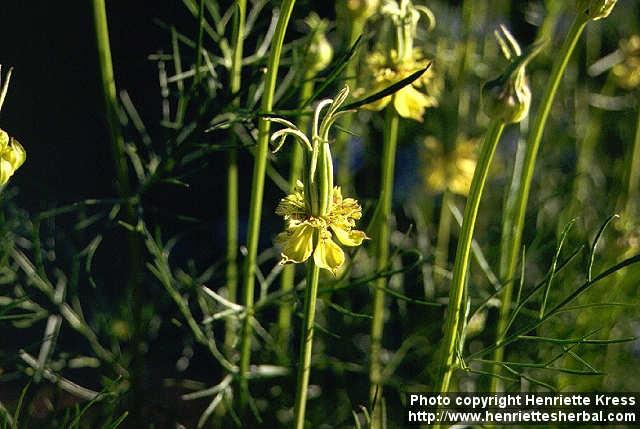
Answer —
(596, 9)
(508, 97)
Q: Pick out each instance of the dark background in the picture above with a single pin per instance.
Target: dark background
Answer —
(55, 107)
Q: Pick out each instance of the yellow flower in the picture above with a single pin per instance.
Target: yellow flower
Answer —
(306, 234)
(12, 156)
(359, 9)
(453, 170)
(412, 100)
(627, 73)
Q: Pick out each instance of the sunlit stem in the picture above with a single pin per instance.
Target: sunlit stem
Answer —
(306, 342)
(342, 139)
(461, 265)
(444, 234)
(586, 149)
(381, 238)
(287, 277)
(235, 74)
(4, 85)
(109, 93)
(122, 181)
(199, 41)
(511, 245)
(462, 101)
(257, 192)
(633, 181)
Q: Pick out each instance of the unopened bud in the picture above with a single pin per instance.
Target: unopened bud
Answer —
(508, 97)
(320, 52)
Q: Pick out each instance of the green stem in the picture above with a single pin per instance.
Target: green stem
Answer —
(288, 273)
(586, 152)
(123, 187)
(257, 187)
(442, 240)
(306, 344)
(633, 172)
(199, 41)
(390, 141)
(109, 93)
(511, 249)
(235, 73)
(457, 118)
(463, 251)
(342, 139)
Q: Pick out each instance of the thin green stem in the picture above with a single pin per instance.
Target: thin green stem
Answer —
(390, 141)
(4, 85)
(109, 94)
(306, 344)
(199, 41)
(288, 273)
(257, 191)
(633, 172)
(586, 157)
(123, 187)
(342, 139)
(463, 251)
(442, 240)
(235, 74)
(457, 118)
(511, 249)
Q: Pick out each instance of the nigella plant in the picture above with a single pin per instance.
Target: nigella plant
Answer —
(506, 100)
(394, 61)
(314, 213)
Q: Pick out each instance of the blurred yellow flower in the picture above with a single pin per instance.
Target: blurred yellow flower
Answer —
(412, 100)
(627, 73)
(12, 156)
(359, 9)
(451, 170)
(306, 234)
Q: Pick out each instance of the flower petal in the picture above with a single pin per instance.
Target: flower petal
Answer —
(6, 171)
(349, 238)
(292, 206)
(411, 103)
(297, 243)
(328, 254)
(16, 154)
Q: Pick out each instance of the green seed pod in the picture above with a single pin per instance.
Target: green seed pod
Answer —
(596, 9)
(319, 52)
(507, 98)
